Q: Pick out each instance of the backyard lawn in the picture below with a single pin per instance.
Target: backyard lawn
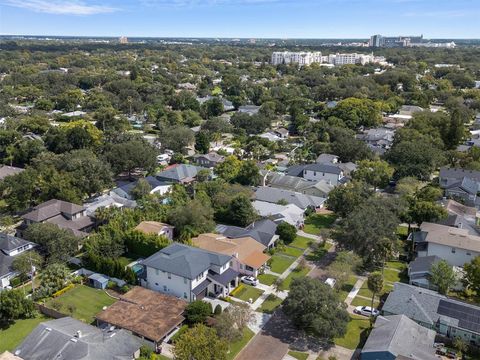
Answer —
(87, 302)
(298, 355)
(301, 242)
(356, 334)
(396, 265)
(245, 292)
(292, 251)
(296, 273)
(270, 304)
(315, 222)
(267, 279)
(279, 263)
(12, 336)
(237, 346)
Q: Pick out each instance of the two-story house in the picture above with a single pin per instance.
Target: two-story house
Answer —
(460, 184)
(332, 174)
(456, 246)
(209, 160)
(64, 214)
(448, 317)
(189, 273)
(10, 247)
(247, 254)
(263, 231)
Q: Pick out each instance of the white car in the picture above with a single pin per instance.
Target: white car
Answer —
(366, 311)
(250, 280)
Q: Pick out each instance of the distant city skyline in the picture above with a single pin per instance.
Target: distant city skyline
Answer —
(242, 18)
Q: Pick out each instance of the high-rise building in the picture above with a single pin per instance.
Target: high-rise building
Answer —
(394, 41)
(300, 58)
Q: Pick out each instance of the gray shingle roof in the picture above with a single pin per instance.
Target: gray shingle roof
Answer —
(9, 242)
(179, 173)
(56, 339)
(398, 335)
(262, 231)
(52, 208)
(330, 169)
(468, 185)
(185, 260)
(423, 264)
(9, 171)
(274, 195)
(422, 305)
(459, 173)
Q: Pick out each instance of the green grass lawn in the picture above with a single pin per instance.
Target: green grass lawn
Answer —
(13, 335)
(347, 287)
(292, 251)
(270, 304)
(298, 355)
(237, 346)
(87, 302)
(358, 301)
(315, 222)
(391, 275)
(128, 258)
(267, 279)
(301, 242)
(279, 263)
(398, 265)
(402, 231)
(356, 334)
(245, 292)
(296, 273)
(367, 293)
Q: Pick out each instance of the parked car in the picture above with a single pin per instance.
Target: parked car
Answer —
(250, 280)
(331, 282)
(366, 311)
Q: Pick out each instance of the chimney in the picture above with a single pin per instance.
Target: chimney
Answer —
(78, 334)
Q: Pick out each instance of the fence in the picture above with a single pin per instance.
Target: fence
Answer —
(50, 312)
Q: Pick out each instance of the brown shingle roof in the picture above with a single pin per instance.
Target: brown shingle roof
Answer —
(145, 312)
(52, 208)
(151, 227)
(246, 249)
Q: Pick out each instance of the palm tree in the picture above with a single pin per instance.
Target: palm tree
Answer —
(375, 285)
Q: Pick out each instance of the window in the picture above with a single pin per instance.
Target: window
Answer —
(184, 280)
(185, 295)
(231, 263)
(468, 254)
(165, 288)
(453, 250)
(169, 275)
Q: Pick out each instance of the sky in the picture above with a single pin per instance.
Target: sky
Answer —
(242, 18)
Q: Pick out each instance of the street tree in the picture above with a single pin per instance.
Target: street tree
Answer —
(442, 276)
(200, 343)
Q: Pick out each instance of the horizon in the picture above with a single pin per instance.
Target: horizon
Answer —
(259, 19)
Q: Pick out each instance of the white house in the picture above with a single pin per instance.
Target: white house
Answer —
(10, 247)
(456, 246)
(189, 273)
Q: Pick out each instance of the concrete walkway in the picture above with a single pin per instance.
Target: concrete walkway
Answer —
(356, 288)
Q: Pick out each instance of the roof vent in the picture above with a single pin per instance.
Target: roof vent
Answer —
(48, 329)
(78, 334)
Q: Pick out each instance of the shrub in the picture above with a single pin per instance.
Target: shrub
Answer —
(197, 312)
(218, 309)
(286, 232)
(64, 290)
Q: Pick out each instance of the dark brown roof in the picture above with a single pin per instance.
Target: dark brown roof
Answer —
(52, 208)
(145, 312)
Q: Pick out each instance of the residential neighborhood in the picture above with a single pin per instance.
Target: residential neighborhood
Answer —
(224, 198)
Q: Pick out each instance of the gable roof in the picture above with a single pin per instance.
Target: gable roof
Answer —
(423, 264)
(459, 173)
(9, 242)
(450, 236)
(326, 168)
(185, 261)
(290, 213)
(466, 184)
(274, 195)
(399, 335)
(179, 172)
(429, 307)
(9, 171)
(263, 231)
(246, 249)
(151, 227)
(58, 339)
(151, 180)
(211, 156)
(298, 184)
(145, 312)
(52, 208)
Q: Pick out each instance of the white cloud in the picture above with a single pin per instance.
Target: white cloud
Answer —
(61, 7)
